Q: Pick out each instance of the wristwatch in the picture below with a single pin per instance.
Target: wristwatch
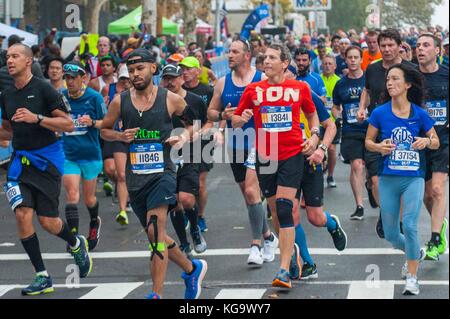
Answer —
(220, 117)
(40, 118)
(324, 148)
(94, 122)
(315, 131)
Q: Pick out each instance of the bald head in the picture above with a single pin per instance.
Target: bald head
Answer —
(19, 60)
(24, 49)
(103, 46)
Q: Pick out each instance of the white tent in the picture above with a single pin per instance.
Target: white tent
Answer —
(6, 30)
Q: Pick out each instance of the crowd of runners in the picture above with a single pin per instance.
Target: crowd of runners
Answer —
(284, 114)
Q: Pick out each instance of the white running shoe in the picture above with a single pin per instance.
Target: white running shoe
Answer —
(255, 257)
(412, 286)
(269, 249)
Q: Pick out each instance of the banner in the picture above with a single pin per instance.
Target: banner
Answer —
(224, 22)
(258, 16)
(311, 5)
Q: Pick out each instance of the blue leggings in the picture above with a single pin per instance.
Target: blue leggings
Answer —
(410, 190)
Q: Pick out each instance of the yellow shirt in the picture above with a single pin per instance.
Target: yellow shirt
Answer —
(203, 77)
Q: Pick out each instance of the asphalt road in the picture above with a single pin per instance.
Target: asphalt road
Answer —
(121, 258)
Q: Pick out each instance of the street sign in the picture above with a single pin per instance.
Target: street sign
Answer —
(311, 5)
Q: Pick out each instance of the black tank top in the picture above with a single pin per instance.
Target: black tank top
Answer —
(148, 155)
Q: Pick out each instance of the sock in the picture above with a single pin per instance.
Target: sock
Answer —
(31, 246)
(256, 217)
(331, 223)
(192, 215)
(270, 238)
(68, 236)
(42, 273)
(177, 218)
(72, 218)
(93, 213)
(436, 238)
(193, 269)
(300, 240)
(256, 245)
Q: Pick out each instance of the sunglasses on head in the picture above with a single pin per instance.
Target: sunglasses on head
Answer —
(246, 43)
(73, 68)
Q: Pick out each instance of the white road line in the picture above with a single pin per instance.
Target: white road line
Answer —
(210, 252)
(241, 294)
(111, 291)
(371, 290)
(5, 288)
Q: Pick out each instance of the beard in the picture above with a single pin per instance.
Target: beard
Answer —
(302, 70)
(143, 86)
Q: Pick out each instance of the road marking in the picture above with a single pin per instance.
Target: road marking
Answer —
(241, 294)
(371, 290)
(5, 288)
(209, 252)
(7, 245)
(112, 291)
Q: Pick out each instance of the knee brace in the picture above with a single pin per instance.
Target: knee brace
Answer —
(284, 213)
(155, 248)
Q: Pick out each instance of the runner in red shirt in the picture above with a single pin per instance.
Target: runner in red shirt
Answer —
(276, 104)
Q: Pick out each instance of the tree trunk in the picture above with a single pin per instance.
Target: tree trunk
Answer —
(93, 14)
(190, 21)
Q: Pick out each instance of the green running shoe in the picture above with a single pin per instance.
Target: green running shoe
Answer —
(444, 241)
(432, 252)
(107, 187)
(122, 218)
(40, 285)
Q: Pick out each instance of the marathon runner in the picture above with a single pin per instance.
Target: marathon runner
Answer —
(82, 149)
(389, 41)
(436, 99)
(227, 93)
(276, 104)
(312, 189)
(191, 70)
(188, 179)
(346, 99)
(32, 107)
(146, 112)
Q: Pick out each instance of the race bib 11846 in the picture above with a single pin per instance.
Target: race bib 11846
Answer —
(147, 158)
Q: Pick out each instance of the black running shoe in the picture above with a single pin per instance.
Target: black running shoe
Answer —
(309, 272)
(94, 233)
(372, 201)
(358, 214)
(339, 236)
(379, 228)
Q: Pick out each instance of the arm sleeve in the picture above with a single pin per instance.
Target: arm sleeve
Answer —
(245, 102)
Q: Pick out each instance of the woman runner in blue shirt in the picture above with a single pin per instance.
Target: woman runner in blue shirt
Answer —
(402, 125)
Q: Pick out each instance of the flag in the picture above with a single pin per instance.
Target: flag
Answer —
(258, 17)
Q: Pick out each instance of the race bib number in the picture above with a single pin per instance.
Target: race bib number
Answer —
(276, 118)
(438, 111)
(251, 159)
(79, 129)
(404, 160)
(147, 158)
(351, 110)
(13, 194)
(329, 104)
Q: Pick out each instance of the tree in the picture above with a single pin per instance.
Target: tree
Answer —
(93, 14)
(398, 13)
(348, 14)
(190, 20)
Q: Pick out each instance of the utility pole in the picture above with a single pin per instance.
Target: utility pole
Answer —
(8, 12)
(149, 9)
(218, 8)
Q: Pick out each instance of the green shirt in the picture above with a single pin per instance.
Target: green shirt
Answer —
(330, 83)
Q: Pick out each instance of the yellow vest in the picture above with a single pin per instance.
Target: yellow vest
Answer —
(203, 77)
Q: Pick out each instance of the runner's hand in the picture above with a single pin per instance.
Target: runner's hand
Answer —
(219, 139)
(177, 142)
(24, 115)
(361, 115)
(386, 147)
(317, 157)
(310, 145)
(247, 115)
(228, 112)
(421, 143)
(86, 120)
(128, 135)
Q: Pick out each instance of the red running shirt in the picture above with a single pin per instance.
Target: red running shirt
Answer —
(276, 111)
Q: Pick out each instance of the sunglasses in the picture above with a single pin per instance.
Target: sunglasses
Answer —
(246, 43)
(73, 68)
